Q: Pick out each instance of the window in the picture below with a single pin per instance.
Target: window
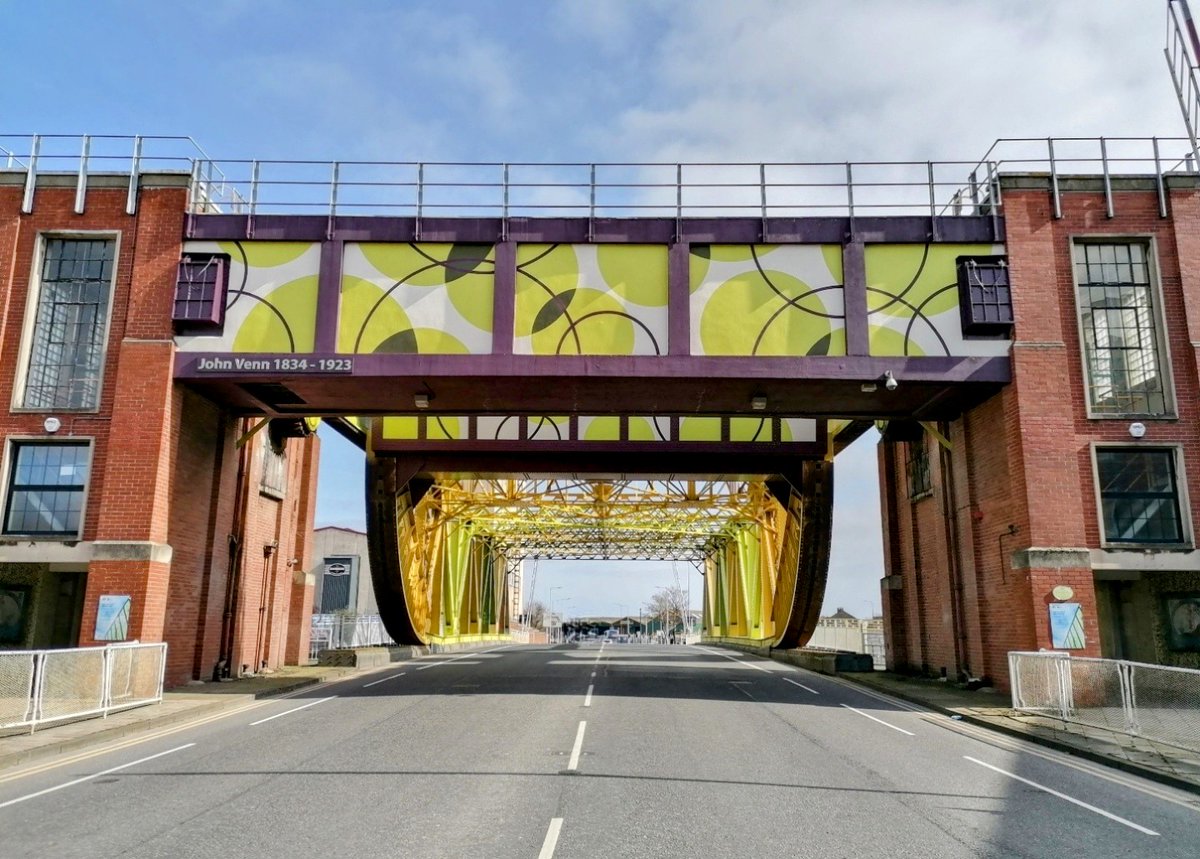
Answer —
(66, 353)
(1139, 497)
(1121, 337)
(920, 483)
(46, 485)
(200, 292)
(274, 472)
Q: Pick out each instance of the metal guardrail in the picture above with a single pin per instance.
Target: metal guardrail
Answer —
(41, 686)
(429, 189)
(1158, 702)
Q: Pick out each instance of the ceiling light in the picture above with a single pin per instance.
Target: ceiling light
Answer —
(421, 401)
(759, 404)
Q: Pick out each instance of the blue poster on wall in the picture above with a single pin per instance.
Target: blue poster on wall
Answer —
(112, 618)
(1066, 625)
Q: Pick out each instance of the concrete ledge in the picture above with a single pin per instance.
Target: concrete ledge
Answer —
(1051, 558)
(821, 661)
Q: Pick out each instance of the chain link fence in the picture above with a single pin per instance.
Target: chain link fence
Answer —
(40, 686)
(1158, 702)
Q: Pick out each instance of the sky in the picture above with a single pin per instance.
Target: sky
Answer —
(653, 80)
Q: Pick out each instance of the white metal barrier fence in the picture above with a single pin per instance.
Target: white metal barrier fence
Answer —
(1158, 702)
(40, 686)
(331, 631)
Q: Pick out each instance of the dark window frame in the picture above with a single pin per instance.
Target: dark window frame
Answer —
(1107, 498)
(917, 468)
(12, 487)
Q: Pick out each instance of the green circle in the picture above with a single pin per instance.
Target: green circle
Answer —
(638, 273)
(745, 307)
(264, 330)
(359, 296)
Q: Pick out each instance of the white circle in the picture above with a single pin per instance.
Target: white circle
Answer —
(1062, 592)
(52, 425)
(1137, 429)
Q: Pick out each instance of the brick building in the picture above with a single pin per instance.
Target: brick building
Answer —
(1068, 492)
(133, 508)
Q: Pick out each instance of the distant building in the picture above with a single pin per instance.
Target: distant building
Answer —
(342, 572)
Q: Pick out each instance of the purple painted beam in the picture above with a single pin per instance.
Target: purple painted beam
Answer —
(854, 276)
(329, 295)
(504, 298)
(679, 300)
(807, 230)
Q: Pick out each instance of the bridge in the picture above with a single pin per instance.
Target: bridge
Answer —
(549, 362)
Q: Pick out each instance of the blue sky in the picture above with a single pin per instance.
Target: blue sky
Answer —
(595, 81)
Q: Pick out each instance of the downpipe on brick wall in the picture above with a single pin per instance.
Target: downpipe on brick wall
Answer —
(233, 580)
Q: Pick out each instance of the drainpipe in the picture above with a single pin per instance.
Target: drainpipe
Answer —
(233, 578)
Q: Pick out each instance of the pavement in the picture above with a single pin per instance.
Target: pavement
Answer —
(984, 707)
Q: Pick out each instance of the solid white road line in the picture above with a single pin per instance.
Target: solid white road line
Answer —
(95, 775)
(587, 701)
(294, 710)
(1001, 741)
(735, 659)
(551, 840)
(801, 685)
(880, 721)
(1069, 799)
(578, 747)
(384, 680)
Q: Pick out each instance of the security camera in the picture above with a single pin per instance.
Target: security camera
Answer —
(889, 381)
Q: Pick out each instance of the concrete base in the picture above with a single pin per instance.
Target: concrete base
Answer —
(821, 661)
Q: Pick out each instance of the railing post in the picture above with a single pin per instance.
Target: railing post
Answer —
(1054, 194)
(1125, 671)
(933, 224)
(1159, 184)
(333, 198)
(1014, 680)
(1108, 198)
(35, 147)
(678, 202)
(762, 196)
(81, 177)
(850, 197)
(254, 167)
(420, 199)
(39, 673)
(106, 682)
(135, 170)
(591, 202)
(1066, 691)
(504, 209)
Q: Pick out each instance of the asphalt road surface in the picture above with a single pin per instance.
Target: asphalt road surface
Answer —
(588, 751)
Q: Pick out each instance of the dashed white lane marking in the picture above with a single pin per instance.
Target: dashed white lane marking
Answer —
(801, 685)
(1069, 799)
(587, 700)
(577, 748)
(466, 655)
(593, 673)
(294, 710)
(551, 840)
(384, 680)
(94, 775)
(880, 721)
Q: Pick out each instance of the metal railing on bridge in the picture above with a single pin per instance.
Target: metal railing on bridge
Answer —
(596, 190)
(1158, 702)
(41, 686)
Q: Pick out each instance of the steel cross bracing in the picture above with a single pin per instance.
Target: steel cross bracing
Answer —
(682, 520)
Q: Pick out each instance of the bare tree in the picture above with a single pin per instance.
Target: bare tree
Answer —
(670, 604)
(535, 613)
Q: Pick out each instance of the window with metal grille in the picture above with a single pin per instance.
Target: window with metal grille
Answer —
(66, 353)
(274, 471)
(920, 483)
(46, 485)
(1139, 498)
(1122, 344)
(200, 292)
(985, 297)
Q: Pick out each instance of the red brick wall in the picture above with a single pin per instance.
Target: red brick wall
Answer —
(1023, 460)
(165, 461)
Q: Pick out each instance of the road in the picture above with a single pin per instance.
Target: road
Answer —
(588, 751)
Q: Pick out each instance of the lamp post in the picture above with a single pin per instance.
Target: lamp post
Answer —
(550, 611)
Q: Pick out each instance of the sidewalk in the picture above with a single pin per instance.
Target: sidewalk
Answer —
(1157, 761)
(181, 705)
